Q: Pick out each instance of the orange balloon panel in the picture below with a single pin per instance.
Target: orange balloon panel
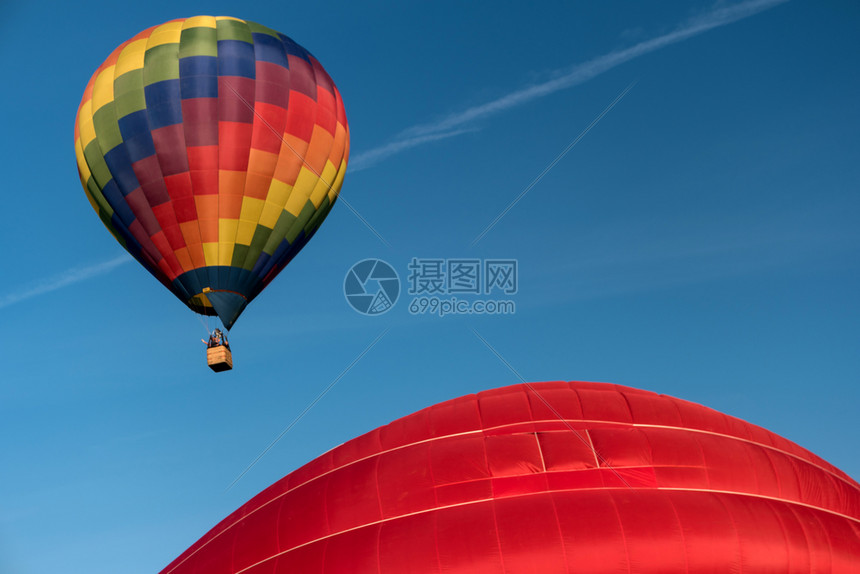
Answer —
(548, 478)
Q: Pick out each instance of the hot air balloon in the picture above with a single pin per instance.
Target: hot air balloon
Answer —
(548, 478)
(212, 149)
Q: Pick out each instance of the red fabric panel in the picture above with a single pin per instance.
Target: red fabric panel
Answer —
(694, 416)
(269, 122)
(526, 523)
(251, 544)
(408, 545)
(578, 480)
(156, 193)
(566, 450)
(355, 449)
(354, 551)
(625, 446)
(460, 492)
(709, 535)
(755, 525)
(513, 454)
(200, 121)
(300, 116)
(311, 471)
(468, 540)
(305, 559)
(136, 200)
(149, 250)
(266, 567)
(321, 77)
(630, 477)
(352, 497)
(680, 476)
(234, 146)
(203, 159)
(303, 515)
(186, 209)
(723, 458)
(236, 99)
(166, 216)
(407, 430)
(170, 149)
(169, 264)
(797, 555)
(598, 405)
(458, 459)
(508, 486)
(302, 77)
(592, 535)
(554, 400)
(204, 182)
(652, 534)
(649, 409)
(215, 558)
(453, 417)
(147, 170)
(670, 447)
(766, 479)
(409, 465)
(842, 536)
(273, 84)
(179, 186)
(503, 407)
(326, 111)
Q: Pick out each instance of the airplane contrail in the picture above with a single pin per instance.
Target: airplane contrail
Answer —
(453, 124)
(64, 279)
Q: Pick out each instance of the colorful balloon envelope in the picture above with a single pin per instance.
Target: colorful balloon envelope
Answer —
(212, 149)
(548, 478)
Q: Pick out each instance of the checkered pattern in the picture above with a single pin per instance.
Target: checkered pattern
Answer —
(212, 149)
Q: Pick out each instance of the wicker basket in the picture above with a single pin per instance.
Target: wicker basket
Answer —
(219, 358)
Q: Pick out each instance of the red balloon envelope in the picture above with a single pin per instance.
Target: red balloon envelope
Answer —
(546, 478)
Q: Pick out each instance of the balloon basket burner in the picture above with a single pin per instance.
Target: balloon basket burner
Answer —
(219, 358)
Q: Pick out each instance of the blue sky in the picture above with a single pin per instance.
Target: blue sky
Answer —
(696, 237)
